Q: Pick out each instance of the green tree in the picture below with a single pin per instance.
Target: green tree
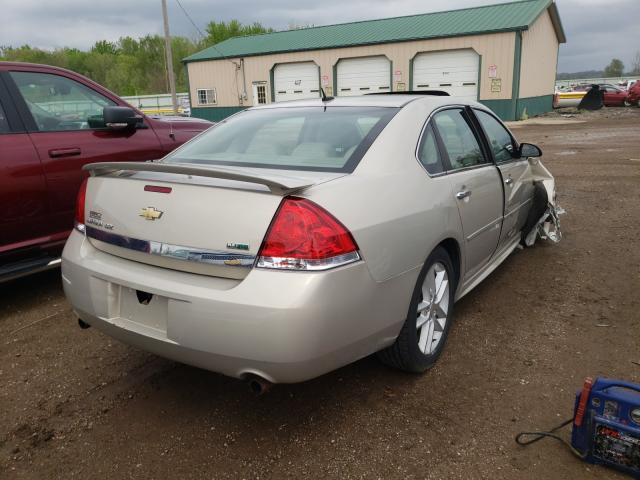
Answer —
(220, 31)
(614, 69)
(131, 66)
(105, 47)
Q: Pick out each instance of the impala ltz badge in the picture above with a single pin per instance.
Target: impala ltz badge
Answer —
(238, 246)
(150, 213)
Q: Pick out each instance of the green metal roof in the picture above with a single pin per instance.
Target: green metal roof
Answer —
(518, 15)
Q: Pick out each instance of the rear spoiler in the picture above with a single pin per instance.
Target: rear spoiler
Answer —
(277, 184)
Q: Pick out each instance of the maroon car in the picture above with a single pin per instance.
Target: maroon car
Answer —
(633, 96)
(52, 122)
(612, 96)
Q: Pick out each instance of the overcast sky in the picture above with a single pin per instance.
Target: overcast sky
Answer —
(597, 30)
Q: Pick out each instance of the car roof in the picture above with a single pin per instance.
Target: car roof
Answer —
(9, 65)
(377, 100)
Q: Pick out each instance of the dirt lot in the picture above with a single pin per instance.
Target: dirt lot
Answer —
(75, 404)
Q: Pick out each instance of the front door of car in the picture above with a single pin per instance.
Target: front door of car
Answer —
(614, 97)
(63, 117)
(515, 172)
(475, 184)
(23, 191)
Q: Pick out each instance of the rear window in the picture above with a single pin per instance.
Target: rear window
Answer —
(294, 138)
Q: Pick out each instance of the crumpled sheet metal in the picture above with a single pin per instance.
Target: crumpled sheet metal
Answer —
(548, 226)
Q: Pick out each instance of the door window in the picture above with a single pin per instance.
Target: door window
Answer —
(59, 103)
(428, 153)
(262, 94)
(499, 137)
(459, 141)
(4, 124)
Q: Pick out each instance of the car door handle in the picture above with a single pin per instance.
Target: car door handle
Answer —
(64, 152)
(463, 194)
(509, 181)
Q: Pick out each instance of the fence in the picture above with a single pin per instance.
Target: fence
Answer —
(160, 104)
(612, 80)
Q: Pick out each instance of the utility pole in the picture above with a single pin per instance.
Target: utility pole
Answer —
(169, 56)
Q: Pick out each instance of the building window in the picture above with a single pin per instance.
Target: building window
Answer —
(206, 96)
(262, 94)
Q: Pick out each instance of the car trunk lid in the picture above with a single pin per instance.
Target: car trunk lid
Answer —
(187, 217)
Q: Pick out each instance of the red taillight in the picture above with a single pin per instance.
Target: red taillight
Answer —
(80, 205)
(304, 236)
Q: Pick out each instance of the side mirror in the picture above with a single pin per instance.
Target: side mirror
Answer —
(119, 118)
(528, 150)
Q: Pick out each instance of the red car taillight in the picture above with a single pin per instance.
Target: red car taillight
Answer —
(80, 206)
(304, 236)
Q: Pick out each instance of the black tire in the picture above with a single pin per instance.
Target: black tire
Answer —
(404, 354)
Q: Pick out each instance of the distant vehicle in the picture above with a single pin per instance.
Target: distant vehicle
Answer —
(52, 122)
(295, 238)
(613, 96)
(627, 84)
(633, 96)
(568, 99)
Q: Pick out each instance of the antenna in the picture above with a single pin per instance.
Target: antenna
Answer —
(324, 96)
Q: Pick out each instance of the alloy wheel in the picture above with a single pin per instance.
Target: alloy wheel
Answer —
(433, 308)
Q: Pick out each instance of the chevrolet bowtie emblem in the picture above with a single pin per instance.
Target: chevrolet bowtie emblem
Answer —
(150, 213)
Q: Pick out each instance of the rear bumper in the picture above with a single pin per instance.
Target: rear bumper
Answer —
(284, 326)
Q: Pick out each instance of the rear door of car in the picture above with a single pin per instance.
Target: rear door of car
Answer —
(475, 183)
(62, 115)
(515, 173)
(23, 191)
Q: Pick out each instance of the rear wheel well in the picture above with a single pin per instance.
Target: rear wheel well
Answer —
(453, 249)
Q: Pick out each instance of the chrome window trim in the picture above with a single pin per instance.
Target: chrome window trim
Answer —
(424, 128)
(176, 252)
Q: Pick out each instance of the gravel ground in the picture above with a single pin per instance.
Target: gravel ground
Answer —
(76, 404)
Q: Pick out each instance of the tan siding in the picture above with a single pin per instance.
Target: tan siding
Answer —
(539, 58)
(496, 49)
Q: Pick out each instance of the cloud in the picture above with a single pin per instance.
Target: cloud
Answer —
(597, 30)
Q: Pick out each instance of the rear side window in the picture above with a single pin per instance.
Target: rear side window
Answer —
(4, 124)
(295, 138)
(428, 153)
(499, 138)
(59, 103)
(460, 143)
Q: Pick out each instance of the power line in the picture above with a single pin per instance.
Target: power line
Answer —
(186, 14)
(237, 66)
(224, 57)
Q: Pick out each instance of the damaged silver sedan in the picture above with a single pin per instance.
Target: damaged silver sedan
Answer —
(294, 238)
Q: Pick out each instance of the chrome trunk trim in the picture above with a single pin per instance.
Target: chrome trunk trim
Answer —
(176, 252)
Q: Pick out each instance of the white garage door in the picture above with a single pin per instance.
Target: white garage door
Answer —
(358, 76)
(295, 81)
(455, 72)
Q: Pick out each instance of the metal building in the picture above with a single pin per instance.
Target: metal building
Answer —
(503, 55)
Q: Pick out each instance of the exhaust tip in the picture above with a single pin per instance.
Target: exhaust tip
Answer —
(258, 385)
(82, 324)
